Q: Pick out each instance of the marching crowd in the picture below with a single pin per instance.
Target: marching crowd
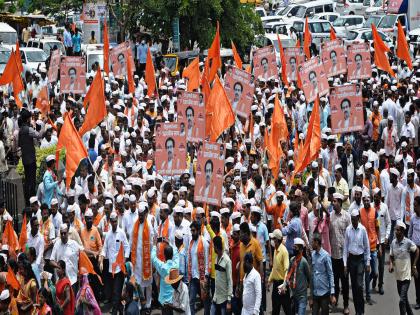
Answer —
(126, 236)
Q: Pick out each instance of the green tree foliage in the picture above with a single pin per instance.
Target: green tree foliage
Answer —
(198, 18)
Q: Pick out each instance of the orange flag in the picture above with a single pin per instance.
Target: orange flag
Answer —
(75, 150)
(220, 110)
(43, 101)
(332, 34)
(150, 74)
(403, 51)
(213, 56)
(18, 60)
(11, 279)
(119, 261)
(84, 262)
(23, 237)
(10, 238)
(278, 123)
(96, 99)
(192, 73)
(11, 75)
(307, 39)
(236, 56)
(130, 73)
(312, 144)
(283, 62)
(106, 48)
(381, 59)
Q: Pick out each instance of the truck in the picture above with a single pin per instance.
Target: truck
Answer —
(406, 11)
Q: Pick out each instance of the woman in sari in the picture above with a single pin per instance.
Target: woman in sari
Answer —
(64, 291)
(29, 287)
(85, 299)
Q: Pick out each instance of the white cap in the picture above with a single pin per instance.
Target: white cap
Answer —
(164, 206)
(132, 198)
(224, 211)
(229, 160)
(179, 235)
(298, 241)
(183, 189)
(276, 234)
(33, 200)
(338, 196)
(54, 201)
(236, 228)
(4, 295)
(314, 164)
(113, 215)
(256, 209)
(142, 207)
(354, 213)
(394, 171)
(254, 166)
(398, 158)
(215, 214)
(199, 210)
(357, 189)
(50, 158)
(235, 215)
(151, 193)
(71, 209)
(338, 167)
(178, 209)
(63, 226)
(89, 213)
(401, 224)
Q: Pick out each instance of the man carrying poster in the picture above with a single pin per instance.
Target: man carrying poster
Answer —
(239, 89)
(54, 66)
(209, 177)
(314, 80)
(170, 149)
(265, 63)
(346, 109)
(119, 56)
(73, 75)
(334, 57)
(359, 62)
(294, 56)
(191, 114)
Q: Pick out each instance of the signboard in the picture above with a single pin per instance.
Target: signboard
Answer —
(346, 108)
(176, 41)
(265, 63)
(119, 56)
(314, 79)
(92, 15)
(394, 6)
(209, 176)
(239, 87)
(73, 75)
(359, 62)
(191, 113)
(171, 150)
(334, 57)
(54, 66)
(294, 57)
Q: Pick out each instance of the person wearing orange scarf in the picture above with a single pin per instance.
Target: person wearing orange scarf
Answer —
(141, 242)
(166, 230)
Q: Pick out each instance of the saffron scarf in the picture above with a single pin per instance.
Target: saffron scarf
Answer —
(291, 275)
(163, 233)
(200, 258)
(145, 248)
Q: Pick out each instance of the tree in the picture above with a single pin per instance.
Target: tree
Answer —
(197, 20)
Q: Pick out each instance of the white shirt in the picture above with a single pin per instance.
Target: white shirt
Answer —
(252, 293)
(184, 227)
(195, 272)
(393, 201)
(408, 131)
(69, 253)
(356, 242)
(384, 221)
(36, 242)
(112, 243)
(57, 220)
(180, 299)
(128, 221)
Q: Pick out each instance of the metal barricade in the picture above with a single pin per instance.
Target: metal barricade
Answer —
(13, 196)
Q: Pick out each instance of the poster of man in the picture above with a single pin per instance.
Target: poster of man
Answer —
(170, 149)
(334, 57)
(346, 109)
(359, 62)
(54, 66)
(294, 57)
(119, 56)
(265, 64)
(191, 113)
(209, 177)
(314, 79)
(73, 75)
(239, 87)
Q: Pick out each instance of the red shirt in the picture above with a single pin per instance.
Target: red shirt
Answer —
(235, 255)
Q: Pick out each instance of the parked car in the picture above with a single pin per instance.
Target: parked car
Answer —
(32, 57)
(345, 23)
(414, 36)
(320, 29)
(46, 44)
(362, 34)
(327, 16)
(4, 57)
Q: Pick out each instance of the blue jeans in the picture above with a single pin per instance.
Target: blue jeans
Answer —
(373, 272)
(194, 291)
(300, 305)
(218, 309)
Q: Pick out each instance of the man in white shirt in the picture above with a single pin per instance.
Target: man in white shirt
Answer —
(36, 240)
(114, 239)
(407, 129)
(394, 200)
(390, 137)
(252, 293)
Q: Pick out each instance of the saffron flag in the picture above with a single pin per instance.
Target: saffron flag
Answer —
(278, 123)
(213, 62)
(283, 62)
(150, 74)
(192, 73)
(23, 237)
(106, 48)
(220, 111)
(18, 59)
(84, 262)
(11, 279)
(381, 59)
(130, 71)
(119, 261)
(312, 144)
(11, 75)
(97, 108)
(403, 51)
(10, 238)
(42, 101)
(307, 39)
(75, 150)
(236, 56)
(333, 36)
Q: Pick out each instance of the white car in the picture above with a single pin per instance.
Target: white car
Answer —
(32, 58)
(320, 29)
(327, 16)
(4, 57)
(362, 34)
(345, 23)
(260, 11)
(414, 36)
(46, 44)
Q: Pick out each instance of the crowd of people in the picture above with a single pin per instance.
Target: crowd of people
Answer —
(126, 236)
